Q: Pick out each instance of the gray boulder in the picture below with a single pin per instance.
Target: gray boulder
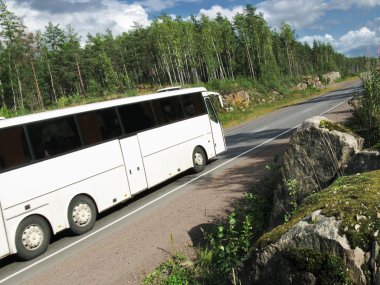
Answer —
(308, 82)
(314, 158)
(303, 255)
(331, 76)
(366, 160)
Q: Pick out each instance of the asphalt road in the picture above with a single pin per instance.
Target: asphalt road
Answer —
(132, 238)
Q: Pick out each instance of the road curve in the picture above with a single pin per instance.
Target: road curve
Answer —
(132, 239)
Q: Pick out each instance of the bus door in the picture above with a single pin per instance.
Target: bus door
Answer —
(134, 165)
(4, 249)
(216, 127)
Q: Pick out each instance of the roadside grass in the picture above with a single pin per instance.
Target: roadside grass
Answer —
(237, 117)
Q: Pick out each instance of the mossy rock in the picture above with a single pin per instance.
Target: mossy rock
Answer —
(353, 200)
(331, 126)
(327, 268)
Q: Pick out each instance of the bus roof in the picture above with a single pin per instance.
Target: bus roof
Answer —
(93, 106)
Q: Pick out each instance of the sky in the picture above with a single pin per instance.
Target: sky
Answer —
(351, 27)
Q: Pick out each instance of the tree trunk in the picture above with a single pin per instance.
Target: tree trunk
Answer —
(39, 96)
(125, 69)
(82, 90)
(2, 93)
(10, 76)
(250, 64)
(19, 87)
(52, 82)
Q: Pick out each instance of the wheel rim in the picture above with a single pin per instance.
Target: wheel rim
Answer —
(32, 237)
(198, 159)
(82, 214)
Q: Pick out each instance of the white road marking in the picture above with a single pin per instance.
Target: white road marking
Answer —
(307, 110)
(258, 130)
(151, 202)
(341, 103)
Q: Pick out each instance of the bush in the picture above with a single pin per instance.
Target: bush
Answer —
(366, 108)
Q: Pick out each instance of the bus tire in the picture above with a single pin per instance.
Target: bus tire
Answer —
(81, 214)
(199, 159)
(32, 237)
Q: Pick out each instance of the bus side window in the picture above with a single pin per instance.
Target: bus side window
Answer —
(193, 104)
(137, 117)
(168, 110)
(98, 126)
(54, 137)
(14, 150)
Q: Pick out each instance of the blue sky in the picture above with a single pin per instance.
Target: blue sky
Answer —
(352, 27)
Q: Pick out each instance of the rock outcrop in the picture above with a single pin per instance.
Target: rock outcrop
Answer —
(309, 252)
(331, 77)
(315, 156)
(309, 82)
(239, 100)
(315, 81)
(365, 160)
(337, 244)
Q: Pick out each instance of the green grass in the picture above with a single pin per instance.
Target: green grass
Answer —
(175, 271)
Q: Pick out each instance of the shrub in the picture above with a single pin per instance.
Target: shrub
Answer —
(366, 108)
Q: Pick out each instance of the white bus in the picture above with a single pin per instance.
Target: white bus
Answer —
(59, 169)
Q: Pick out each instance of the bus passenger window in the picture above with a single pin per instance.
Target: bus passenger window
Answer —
(193, 104)
(54, 137)
(98, 126)
(14, 150)
(137, 117)
(168, 110)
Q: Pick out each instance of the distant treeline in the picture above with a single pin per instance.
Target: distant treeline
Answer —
(37, 69)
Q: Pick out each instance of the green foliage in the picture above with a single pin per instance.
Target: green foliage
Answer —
(228, 246)
(8, 113)
(366, 107)
(291, 185)
(73, 100)
(327, 268)
(376, 146)
(172, 272)
(5, 112)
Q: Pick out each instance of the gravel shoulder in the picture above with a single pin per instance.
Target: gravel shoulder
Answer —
(128, 254)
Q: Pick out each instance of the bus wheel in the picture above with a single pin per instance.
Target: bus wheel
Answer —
(199, 159)
(81, 214)
(32, 237)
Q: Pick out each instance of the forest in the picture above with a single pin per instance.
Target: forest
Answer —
(41, 69)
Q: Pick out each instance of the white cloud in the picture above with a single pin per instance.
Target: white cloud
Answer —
(159, 5)
(367, 3)
(310, 39)
(297, 13)
(362, 39)
(83, 15)
(306, 13)
(228, 13)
